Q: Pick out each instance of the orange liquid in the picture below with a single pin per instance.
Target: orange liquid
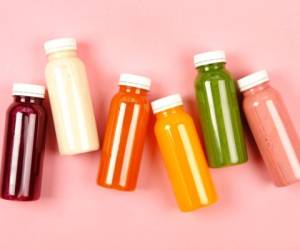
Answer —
(184, 158)
(124, 139)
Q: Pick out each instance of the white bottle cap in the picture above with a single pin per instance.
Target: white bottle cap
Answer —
(209, 58)
(136, 81)
(165, 103)
(253, 80)
(60, 45)
(28, 89)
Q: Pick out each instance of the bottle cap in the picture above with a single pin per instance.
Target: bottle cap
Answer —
(253, 80)
(165, 103)
(136, 81)
(60, 44)
(28, 89)
(209, 58)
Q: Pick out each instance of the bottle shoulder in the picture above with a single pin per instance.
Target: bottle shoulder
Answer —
(122, 97)
(65, 62)
(173, 120)
(262, 96)
(216, 75)
(27, 108)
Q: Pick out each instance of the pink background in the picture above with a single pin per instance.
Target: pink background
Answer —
(157, 39)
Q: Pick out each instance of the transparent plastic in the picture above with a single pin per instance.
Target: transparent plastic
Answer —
(220, 116)
(124, 139)
(184, 159)
(23, 149)
(71, 103)
(274, 133)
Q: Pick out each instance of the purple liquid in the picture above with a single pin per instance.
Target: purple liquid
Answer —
(23, 149)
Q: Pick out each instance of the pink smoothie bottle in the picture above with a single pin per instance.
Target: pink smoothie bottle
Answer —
(272, 128)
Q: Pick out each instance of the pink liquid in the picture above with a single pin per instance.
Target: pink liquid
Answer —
(274, 133)
(23, 149)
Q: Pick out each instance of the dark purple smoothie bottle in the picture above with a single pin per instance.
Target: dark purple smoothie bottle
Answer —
(24, 144)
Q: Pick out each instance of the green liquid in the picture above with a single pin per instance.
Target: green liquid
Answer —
(220, 116)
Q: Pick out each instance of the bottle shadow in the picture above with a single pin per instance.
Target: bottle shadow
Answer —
(245, 68)
(3, 113)
(154, 174)
(254, 156)
(50, 158)
(99, 83)
(102, 88)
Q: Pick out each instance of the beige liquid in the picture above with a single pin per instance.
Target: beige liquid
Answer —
(71, 104)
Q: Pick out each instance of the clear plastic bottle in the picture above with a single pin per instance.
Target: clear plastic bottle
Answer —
(70, 99)
(183, 155)
(219, 111)
(125, 134)
(272, 128)
(24, 144)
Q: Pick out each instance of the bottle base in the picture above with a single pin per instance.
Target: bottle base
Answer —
(226, 165)
(77, 152)
(21, 199)
(186, 210)
(285, 184)
(116, 187)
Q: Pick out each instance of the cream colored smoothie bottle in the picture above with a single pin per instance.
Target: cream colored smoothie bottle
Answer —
(70, 99)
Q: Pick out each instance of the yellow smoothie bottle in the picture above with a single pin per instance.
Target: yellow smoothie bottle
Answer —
(183, 154)
(70, 99)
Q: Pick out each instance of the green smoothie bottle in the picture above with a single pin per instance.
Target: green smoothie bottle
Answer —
(219, 111)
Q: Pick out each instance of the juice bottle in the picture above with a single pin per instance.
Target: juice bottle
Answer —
(24, 144)
(272, 128)
(70, 99)
(125, 134)
(219, 111)
(183, 155)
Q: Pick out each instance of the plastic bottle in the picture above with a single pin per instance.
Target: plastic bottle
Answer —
(24, 144)
(219, 111)
(272, 128)
(70, 99)
(183, 155)
(125, 134)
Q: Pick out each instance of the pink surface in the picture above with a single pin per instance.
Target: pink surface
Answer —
(158, 39)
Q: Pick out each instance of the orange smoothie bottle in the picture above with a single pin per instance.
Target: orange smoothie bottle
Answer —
(125, 133)
(183, 154)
